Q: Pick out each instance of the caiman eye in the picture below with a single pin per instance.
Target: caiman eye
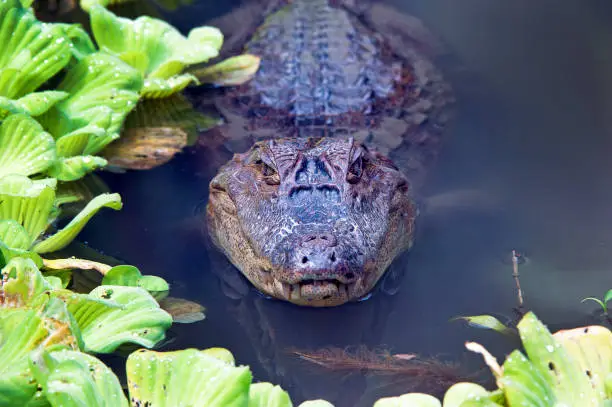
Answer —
(270, 175)
(355, 170)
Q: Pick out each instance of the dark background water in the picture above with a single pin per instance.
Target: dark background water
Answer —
(533, 131)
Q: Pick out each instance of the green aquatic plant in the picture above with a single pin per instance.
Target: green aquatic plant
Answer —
(603, 303)
(487, 322)
(79, 118)
(155, 48)
(32, 52)
(569, 368)
(38, 318)
(27, 209)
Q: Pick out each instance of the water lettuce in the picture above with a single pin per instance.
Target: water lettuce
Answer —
(75, 379)
(27, 208)
(32, 51)
(155, 48)
(187, 377)
(570, 368)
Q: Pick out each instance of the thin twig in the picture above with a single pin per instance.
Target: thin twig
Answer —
(515, 275)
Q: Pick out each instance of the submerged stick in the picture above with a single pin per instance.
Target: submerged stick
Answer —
(515, 275)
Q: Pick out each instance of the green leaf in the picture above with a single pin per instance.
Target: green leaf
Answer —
(7, 253)
(75, 379)
(166, 379)
(32, 52)
(130, 276)
(591, 348)
(82, 45)
(103, 90)
(20, 283)
(268, 395)
(155, 48)
(569, 384)
(230, 72)
(84, 189)
(38, 103)
(21, 332)
(409, 400)
(523, 384)
(63, 237)
(25, 148)
(487, 322)
(110, 316)
(608, 296)
(155, 88)
(64, 276)
(316, 403)
(27, 202)
(458, 393)
(602, 304)
(74, 168)
(14, 235)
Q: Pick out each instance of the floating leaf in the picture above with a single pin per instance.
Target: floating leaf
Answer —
(64, 277)
(74, 263)
(167, 379)
(113, 315)
(38, 103)
(84, 189)
(130, 276)
(157, 88)
(591, 348)
(28, 203)
(21, 332)
(7, 253)
(183, 311)
(146, 148)
(63, 237)
(103, 90)
(155, 48)
(74, 168)
(75, 379)
(523, 384)
(569, 383)
(316, 403)
(230, 72)
(487, 322)
(20, 283)
(82, 45)
(459, 393)
(409, 400)
(32, 52)
(268, 395)
(25, 148)
(14, 235)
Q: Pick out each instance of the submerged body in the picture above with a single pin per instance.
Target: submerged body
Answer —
(314, 212)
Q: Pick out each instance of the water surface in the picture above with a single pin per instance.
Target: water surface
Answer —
(532, 131)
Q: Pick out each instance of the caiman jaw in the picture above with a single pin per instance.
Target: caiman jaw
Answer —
(316, 292)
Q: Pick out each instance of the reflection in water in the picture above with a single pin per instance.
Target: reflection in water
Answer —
(532, 129)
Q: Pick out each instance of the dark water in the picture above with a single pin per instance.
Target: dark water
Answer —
(533, 132)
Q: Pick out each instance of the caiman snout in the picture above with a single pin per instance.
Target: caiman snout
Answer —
(317, 257)
(316, 251)
(316, 272)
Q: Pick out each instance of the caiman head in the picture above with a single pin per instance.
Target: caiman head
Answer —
(312, 221)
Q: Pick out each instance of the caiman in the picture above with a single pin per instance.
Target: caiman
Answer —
(345, 114)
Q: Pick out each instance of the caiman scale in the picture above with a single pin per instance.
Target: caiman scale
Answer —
(344, 115)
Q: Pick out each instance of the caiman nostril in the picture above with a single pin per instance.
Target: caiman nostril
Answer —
(304, 260)
(319, 240)
(332, 258)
